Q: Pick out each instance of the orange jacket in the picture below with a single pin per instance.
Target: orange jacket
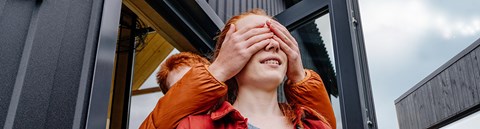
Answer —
(198, 91)
(227, 117)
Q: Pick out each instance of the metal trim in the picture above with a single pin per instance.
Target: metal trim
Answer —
(196, 20)
(103, 67)
(356, 98)
(350, 59)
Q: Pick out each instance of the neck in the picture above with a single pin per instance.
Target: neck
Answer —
(252, 102)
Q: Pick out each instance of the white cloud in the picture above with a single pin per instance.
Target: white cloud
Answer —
(401, 38)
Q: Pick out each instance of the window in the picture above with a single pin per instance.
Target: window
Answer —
(316, 46)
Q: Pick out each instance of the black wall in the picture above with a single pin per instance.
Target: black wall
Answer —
(46, 61)
(228, 8)
(448, 94)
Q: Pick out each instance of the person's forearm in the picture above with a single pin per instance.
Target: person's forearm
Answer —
(311, 92)
(195, 93)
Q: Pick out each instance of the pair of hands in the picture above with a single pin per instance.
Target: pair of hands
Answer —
(239, 46)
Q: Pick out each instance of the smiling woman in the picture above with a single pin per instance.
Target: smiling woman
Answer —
(266, 53)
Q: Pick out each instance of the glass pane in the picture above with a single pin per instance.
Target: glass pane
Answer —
(316, 46)
(142, 105)
(406, 40)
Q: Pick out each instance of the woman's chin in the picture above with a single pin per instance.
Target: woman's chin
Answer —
(271, 79)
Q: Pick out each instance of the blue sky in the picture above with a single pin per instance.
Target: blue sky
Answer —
(406, 40)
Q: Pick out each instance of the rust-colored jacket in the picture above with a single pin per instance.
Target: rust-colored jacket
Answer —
(198, 91)
(227, 117)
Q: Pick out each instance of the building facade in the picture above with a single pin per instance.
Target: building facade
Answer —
(76, 63)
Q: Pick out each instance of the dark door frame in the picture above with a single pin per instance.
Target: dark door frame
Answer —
(200, 24)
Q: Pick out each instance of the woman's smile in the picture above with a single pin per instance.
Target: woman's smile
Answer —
(271, 61)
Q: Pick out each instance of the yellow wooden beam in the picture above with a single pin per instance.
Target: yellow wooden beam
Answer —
(149, 16)
(149, 58)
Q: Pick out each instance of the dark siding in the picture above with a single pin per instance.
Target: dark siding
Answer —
(44, 55)
(227, 9)
(14, 23)
(449, 92)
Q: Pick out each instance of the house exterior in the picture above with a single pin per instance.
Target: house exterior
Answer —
(76, 63)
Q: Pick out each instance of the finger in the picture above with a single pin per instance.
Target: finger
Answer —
(258, 38)
(256, 31)
(287, 50)
(268, 46)
(283, 29)
(230, 31)
(258, 46)
(290, 45)
(279, 34)
(251, 26)
(273, 45)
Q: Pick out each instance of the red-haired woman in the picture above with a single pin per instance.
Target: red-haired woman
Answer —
(257, 53)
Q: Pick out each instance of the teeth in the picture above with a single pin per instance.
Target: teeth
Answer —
(271, 62)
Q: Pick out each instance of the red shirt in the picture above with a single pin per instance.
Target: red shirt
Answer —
(227, 117)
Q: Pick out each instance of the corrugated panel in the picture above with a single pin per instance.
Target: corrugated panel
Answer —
(43, 56)
(228, 8)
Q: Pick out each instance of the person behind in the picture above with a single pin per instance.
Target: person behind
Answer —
(257, 53)
(172, 70)
(175, 67)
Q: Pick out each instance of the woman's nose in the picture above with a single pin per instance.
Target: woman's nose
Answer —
(272, 46)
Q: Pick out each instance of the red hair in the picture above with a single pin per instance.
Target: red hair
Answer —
(175, 61)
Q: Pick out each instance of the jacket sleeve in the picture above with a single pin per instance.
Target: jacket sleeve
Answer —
(311, 92)
(195, 93)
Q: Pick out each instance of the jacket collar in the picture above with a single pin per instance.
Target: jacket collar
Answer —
(226, 109)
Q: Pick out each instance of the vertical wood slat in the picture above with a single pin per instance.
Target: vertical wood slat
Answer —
(416, 109)
(472, 86)
(430, 106)
(399, 111)
(476, 72)
(440, 101)
(455, 88)
(421, 107)
(449, 98)
(413, 116)
(453, 99)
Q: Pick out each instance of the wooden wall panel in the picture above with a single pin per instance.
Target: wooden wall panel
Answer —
(451, 90)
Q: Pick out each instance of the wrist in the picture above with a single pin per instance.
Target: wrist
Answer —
(299, 77)
(217, 72)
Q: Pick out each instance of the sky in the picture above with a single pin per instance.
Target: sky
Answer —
(405, 41)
